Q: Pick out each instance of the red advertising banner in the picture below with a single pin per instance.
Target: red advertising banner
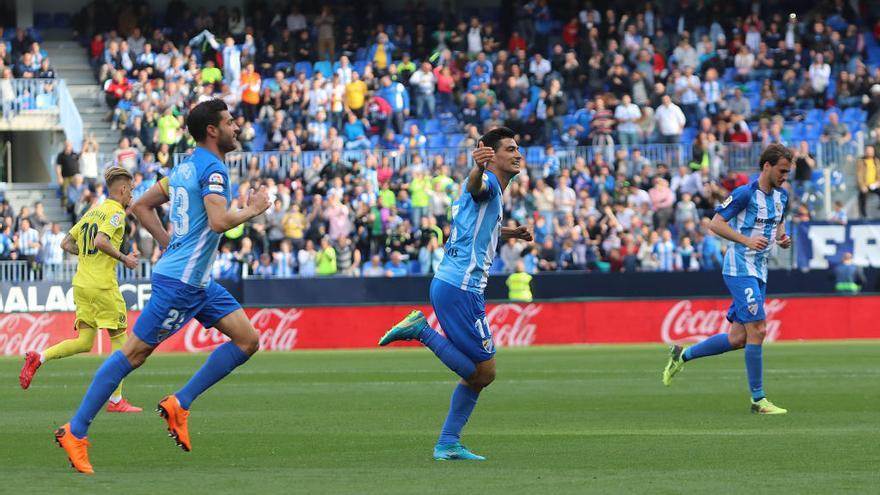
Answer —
(512, 325)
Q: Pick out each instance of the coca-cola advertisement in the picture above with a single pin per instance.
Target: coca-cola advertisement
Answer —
(511, 324)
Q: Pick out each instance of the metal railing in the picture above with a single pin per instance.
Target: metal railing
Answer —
(27, 271)
(18, 95)
(735, 156)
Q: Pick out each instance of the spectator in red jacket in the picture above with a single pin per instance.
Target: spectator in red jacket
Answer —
(117, 88)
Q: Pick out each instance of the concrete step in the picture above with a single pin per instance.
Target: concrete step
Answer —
(90, 91)
(22, 186)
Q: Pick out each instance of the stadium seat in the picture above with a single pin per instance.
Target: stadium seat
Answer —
(61, 20)
(432, 126)
(437, 140)
(360, 55)
(815, 115)
(324, 67)
(303, 67)
(454, 139)
(42, 20)
(359, 66)
(283, 66)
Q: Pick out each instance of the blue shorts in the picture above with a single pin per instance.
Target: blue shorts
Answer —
(173, 303)
(462, 315)
(748, 299)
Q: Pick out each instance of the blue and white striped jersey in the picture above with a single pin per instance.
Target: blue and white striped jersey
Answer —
(193, 247)
(752, 213)
(476, 226)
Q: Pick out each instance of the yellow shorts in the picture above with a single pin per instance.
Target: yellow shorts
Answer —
(100, 308)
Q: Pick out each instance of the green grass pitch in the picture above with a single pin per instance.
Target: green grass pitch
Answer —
(580, 419)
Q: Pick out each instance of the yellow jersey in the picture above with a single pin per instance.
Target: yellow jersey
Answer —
(96, 269)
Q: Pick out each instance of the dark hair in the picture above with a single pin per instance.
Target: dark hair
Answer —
(493, 138)
(202, 115)
(773, 153)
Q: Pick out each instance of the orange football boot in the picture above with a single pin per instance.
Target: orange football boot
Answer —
(76, 448)
(176, 416)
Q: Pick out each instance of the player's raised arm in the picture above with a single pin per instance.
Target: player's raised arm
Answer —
(521, 232)
(482, 156)
(220, 219)
(144, 209)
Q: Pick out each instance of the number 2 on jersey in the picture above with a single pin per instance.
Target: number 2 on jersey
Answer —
(179, 210)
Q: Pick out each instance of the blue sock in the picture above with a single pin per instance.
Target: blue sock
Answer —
(451, 357)
(460, 408)
(106, 379)
(220, 363)
(716, 344)
(755, 370)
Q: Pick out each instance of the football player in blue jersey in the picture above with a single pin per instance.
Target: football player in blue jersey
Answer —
(752, 215)
(457, 289)
(199, 191)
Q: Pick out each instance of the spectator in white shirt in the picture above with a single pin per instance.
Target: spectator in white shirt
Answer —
(711, 93)
(564, 197)
(687, 88)
(627, 115)
(670, 121)
(744, 62)
(685, 54)
(474, 37)
(424, 83)
(539, 67)
(820, 74)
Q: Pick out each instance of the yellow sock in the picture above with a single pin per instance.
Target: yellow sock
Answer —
(70, 347)
(117, 339)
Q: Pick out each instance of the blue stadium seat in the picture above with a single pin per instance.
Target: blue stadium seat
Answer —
(816, 115)
(415, 268)
(42, 20)
(432, 126)
(283, 66)
(752, 87)
(454, 139)
(324, 67)
(437, 140)
(360, 55)
(303, 67)
(359, 66)
(61, 20)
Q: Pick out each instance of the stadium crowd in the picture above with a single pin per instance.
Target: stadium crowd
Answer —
(341, 79)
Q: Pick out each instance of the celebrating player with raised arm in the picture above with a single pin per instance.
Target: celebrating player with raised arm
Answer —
(457, 288)
(749, 218)
(199, 191)
(96, 240)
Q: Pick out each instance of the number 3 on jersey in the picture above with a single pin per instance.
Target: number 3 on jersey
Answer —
(179, 210)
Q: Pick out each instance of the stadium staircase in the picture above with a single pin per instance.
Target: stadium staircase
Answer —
(71, 63)
(26, 194)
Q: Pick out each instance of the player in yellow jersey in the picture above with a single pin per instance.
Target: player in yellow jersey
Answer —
(96, 239)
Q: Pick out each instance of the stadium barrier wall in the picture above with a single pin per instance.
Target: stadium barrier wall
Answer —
(511, 324)
(36, 297)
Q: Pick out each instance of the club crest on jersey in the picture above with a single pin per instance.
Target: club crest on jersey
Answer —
(727, 201)
(488, 345)
(778, 205)
(753, 309)
(115, 220)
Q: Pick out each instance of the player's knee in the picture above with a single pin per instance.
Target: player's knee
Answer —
(737, 341)
(483, 378)
(249, 344)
